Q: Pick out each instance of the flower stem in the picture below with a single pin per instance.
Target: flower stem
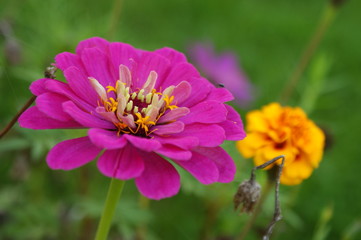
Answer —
(114, 192)
(326, 19)
(257, 210)
(16, 117)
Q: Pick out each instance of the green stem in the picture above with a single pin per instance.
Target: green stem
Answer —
(114, 192)
(326, 19)
(257, 210)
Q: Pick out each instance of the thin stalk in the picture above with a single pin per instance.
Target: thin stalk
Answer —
(114, 192)
(16, 117)
(326, 20)
(257, 210)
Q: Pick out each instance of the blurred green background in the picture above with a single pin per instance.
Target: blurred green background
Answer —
(268, 37)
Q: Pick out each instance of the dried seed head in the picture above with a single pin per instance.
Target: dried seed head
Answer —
(247, 194)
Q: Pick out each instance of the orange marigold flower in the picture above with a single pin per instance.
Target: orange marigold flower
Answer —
(275, 130)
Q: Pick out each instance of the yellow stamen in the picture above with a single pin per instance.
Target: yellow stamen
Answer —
(168, 100)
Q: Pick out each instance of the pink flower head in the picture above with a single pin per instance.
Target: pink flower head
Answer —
(223, 69)
(140, 107)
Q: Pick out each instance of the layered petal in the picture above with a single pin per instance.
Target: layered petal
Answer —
(72, 154)
(35, 119)
(159, 178)
(124, 163)
(106, 139)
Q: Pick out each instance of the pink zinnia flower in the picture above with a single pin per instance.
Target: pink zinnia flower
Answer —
(140, 107)
(223, 68)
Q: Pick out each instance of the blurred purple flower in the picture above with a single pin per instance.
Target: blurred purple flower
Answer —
(223, 69)
(139, 106)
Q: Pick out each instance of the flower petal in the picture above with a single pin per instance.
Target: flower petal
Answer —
(182, 142)
(84, 118)
(220, 95)
(201, 167)
(72, 154)
(172, 55)
(80, 84)
(174, 114)
(38, 87)
(148, 62)
(200, 90)
(64, 89)
(159, 178)
(33, 118)
(181, 72)
(209, 135)
(106, 139)
(124, 164)
(175, 127)
(224, 163)
(97, 66)
(174, 152)
(51, 104)
(233, 126)
(122, 53)
(145, 144)
(206, 112)
(181, 92)
(66, 59)
(94, 42)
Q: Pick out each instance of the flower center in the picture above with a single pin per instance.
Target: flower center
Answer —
(133, 111)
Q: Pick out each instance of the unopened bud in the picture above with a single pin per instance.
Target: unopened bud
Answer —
(247, 194)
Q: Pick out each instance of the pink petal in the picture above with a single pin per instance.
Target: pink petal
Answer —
(224, 163)
(181, 142)
(206, 112)
(98, 66)
(84, 118)
(66, 59)
(175, 127)
(181, 92)
(124, 164)
(33, 118)
(179, 73)
(106, 139)
(200, 90)
(51, 104)
(233, 126)
(174, 114)
(145, 144)
(159, 178)
(172, 55)
(64, 89)
(94, 42)
(201, 167)
(38, 87)
(80, 84)
(72, 154)
(209, 135)
(220, 95)
(174, 152)
(148, 62)
(122, 53)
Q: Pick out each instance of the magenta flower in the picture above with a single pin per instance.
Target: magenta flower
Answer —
(223, 69)
(140, 107)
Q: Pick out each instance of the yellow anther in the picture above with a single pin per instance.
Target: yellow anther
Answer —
(154, 91)
(168, 101)
(111, 89)
(112, 105)
(143, 122)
